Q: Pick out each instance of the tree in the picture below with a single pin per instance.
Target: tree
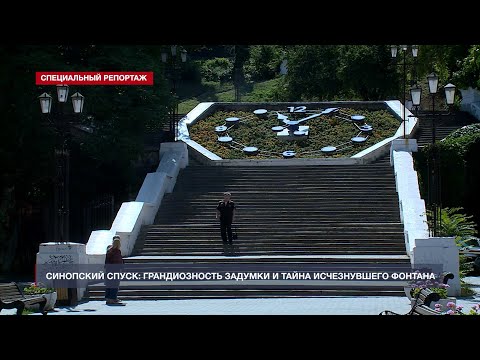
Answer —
(443, 59)
(118, 115)
(468, 73)
(367, 71)
(264, 62)
(312, 72)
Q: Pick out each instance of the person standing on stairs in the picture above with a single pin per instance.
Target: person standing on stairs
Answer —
(226, 214)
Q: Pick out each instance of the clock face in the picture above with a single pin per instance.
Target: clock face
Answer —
(295, 131)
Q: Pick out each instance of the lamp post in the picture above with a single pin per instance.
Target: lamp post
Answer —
(434, 191)
(62, 157)
(171, 69)
(394, 51)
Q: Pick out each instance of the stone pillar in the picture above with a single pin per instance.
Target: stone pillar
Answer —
(58, 254)
(439, 251)
(407, 145)
(179, 148)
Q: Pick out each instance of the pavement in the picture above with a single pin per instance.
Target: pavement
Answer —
(366, 305)
(266, 306)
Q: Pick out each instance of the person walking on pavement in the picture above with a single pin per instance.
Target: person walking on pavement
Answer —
(226, 214)
(113, 264)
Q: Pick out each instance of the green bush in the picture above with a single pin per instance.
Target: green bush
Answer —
(191, 71)
(455, 223)
(459, 171)
(440, 291)
(35, 289)
(264, 62)
(218, 69)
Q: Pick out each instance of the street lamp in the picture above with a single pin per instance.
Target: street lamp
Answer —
(416, 94)
(172, 70)
(435, 190)
(62, 158)
(394, 52)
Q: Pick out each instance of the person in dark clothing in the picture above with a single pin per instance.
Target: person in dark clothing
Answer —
(226, 214)
(113, 264)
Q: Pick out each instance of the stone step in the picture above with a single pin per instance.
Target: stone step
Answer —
(312, 179)
(351, 260)
(291, 229)
(361, 201)
(303, 179)
(266, 251)
(244, 216)
(263, 236)
(261, 219)
(273, 243)
(293, 170)
(261, 233)
(272, 221)
(265, 233)
(277, 192)
(279, 185)
(285, 215)
(224, 294)
(194, 243)
(242, 252)
(299, 177)
(358, 197)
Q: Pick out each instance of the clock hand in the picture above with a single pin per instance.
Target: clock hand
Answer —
(308, 118)
(281, 116)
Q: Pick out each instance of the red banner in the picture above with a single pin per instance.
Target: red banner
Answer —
(94, 78)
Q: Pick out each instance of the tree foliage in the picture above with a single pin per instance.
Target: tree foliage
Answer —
(264, 62)
(119, 116)
(367, 71)
(343, 72)
(312, 72)
(217, 69)
(444, 60)
(468, 73)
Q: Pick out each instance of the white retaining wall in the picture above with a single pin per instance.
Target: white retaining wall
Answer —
(412, 206)
(421, 249)
(471, 101)
(133, 214)
(435, 251)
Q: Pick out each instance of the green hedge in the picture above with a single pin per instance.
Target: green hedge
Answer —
(459, 171)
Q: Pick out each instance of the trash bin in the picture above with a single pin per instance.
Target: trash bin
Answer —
(66, 296)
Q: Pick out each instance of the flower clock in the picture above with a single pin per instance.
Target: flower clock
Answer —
(293, 125)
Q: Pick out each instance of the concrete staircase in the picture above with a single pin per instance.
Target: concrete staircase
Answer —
(444, 125)
(298, 215)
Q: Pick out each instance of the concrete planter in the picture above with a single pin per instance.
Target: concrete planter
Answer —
(442, 302)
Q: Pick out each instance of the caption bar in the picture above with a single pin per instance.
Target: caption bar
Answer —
(94, 78)
(71, 275)
(237, 276)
